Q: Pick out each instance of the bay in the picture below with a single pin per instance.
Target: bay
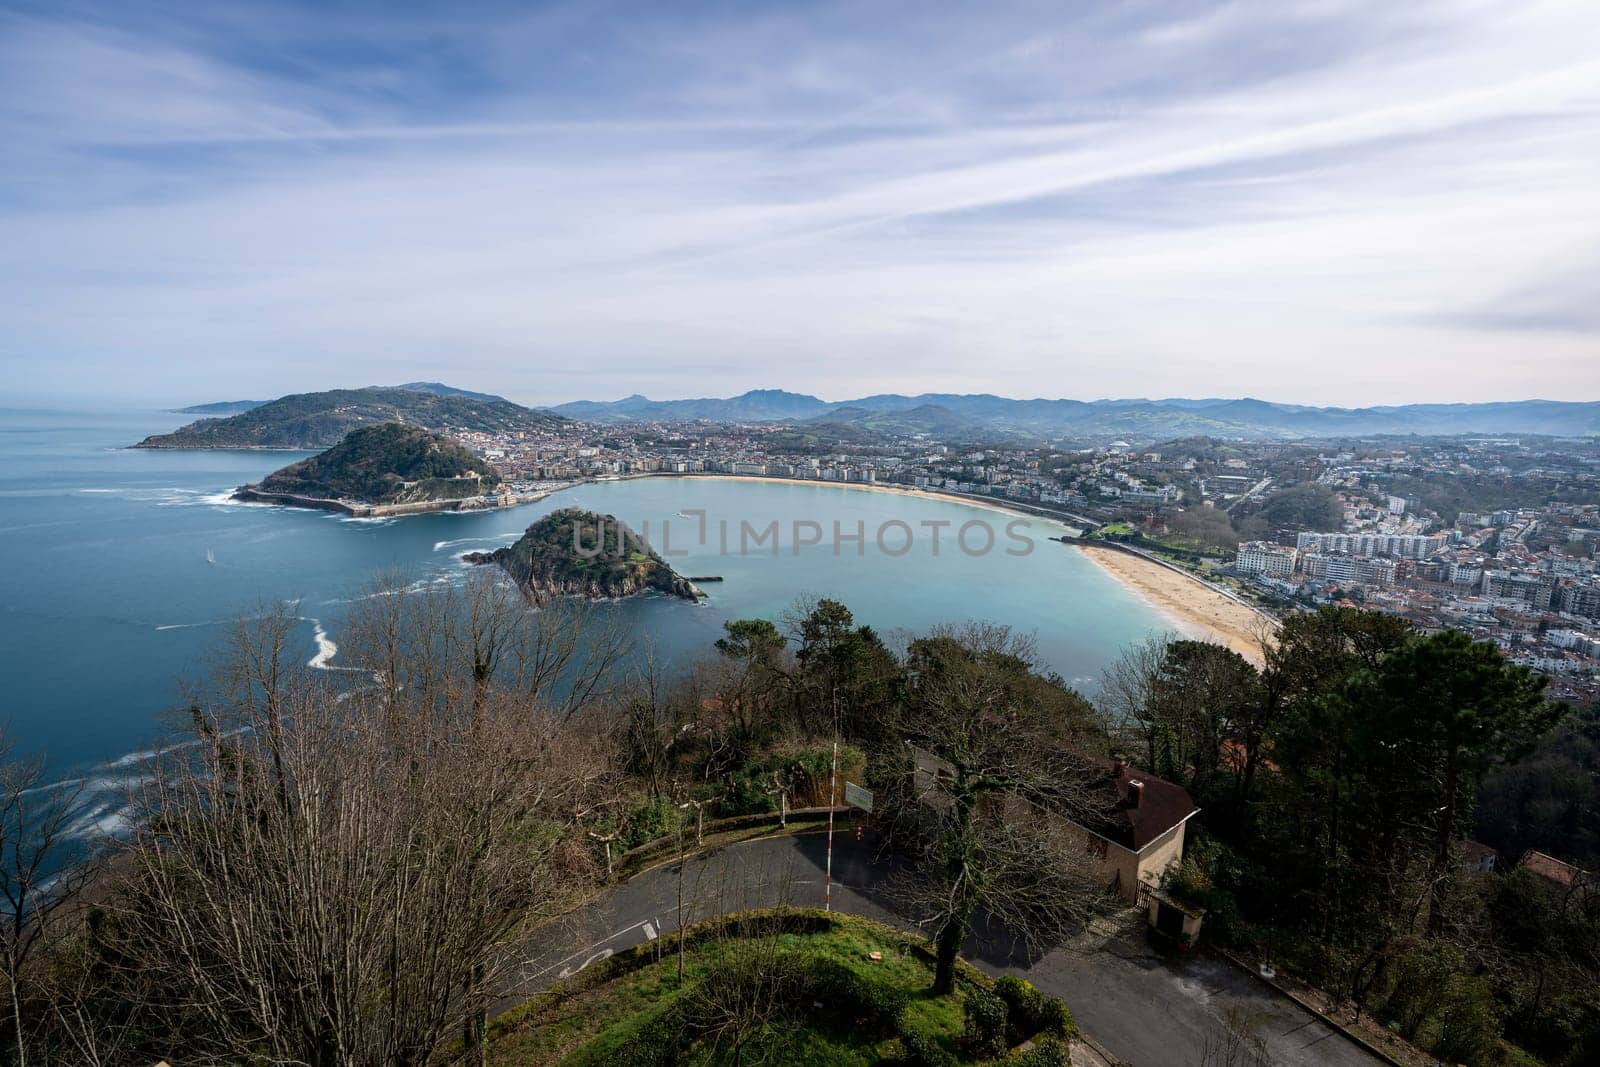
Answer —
(119, 566)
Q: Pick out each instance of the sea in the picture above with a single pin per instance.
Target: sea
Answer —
(119, 566)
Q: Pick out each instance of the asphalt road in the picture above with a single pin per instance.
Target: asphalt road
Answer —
(1147, 1010)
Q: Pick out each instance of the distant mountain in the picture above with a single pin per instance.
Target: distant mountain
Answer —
(756, 406)
(924, 419)
(386, 463)
(1138, 420)
(235, 407)
(320, 420)
(221, 407)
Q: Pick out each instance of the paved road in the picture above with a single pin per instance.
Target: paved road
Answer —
(1145, 1009)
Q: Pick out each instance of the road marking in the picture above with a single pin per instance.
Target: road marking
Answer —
(591, 948)
(568, 972)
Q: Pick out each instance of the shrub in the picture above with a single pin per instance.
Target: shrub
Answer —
(649, 819)
(1050, 1052)
(1054, 1018)
(863, 1000)
(923, 1051)
(984, 1033)
(1031, 1012)
(808, 772)
(1468, 1023)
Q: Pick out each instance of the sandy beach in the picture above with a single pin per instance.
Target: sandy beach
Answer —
(1198, 610)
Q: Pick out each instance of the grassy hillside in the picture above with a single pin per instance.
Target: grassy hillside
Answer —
(387, 463)
(795, 987)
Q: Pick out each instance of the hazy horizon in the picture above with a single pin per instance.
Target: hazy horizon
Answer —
(109, 402)
(1346, 204)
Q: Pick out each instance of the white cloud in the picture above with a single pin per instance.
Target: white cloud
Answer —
(1024, 204)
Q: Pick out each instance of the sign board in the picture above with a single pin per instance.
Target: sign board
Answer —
(857, 797)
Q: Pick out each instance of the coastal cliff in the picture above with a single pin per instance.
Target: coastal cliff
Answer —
(585, 554)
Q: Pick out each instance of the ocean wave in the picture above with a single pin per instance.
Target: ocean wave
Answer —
(440, 545)
(326, 649)
(105, 820)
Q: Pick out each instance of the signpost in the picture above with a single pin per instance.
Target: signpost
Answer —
(857, 797)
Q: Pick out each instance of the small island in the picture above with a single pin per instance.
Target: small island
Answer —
(585, 554)
(388, 468)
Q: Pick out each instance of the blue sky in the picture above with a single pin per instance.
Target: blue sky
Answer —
(1319, 201)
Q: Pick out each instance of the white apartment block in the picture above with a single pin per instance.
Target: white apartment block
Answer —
(1263, 557)
(1405, 546)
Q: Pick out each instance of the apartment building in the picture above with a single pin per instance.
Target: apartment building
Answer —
(1263, 557)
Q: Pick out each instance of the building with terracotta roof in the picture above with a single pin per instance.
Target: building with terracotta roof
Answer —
(1552, 869)
(1135, 832)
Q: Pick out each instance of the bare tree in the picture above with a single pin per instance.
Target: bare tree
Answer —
(1128, 688)
(40, 884)
(338, 878)
(562, 656)
(981, 801)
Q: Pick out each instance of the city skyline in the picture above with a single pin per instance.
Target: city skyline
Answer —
(1340, 204)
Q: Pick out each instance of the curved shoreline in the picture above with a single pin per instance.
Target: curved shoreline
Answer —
(1194, 607)
(1199, 611)
(875, 487)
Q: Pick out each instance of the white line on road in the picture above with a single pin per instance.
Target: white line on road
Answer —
(591, 948)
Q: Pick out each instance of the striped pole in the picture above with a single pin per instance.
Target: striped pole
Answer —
(833, 801)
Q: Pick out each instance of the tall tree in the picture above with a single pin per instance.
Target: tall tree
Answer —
(977, 795)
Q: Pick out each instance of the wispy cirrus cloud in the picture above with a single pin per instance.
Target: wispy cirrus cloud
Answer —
(842, 198)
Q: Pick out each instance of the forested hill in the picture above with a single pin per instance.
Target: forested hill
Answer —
(387, 463)
(580, 553)
(320, 420)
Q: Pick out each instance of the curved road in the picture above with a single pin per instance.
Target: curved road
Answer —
(1145, 1009)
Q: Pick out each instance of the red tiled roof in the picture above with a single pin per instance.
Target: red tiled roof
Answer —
(1162, 805)
(1557, 871)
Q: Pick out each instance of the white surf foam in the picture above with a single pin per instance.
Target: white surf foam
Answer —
(326, 649)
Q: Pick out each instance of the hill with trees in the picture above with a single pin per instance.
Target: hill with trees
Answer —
(585, 554)
(386, 463)
(321, 420)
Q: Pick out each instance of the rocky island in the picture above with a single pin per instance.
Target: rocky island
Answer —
(584, 554)
(387, 468)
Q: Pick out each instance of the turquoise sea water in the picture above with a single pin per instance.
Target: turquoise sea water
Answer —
(109, 595)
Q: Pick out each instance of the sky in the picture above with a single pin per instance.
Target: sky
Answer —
(1316, 201)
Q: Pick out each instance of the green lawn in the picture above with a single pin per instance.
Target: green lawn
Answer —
(596, 1017)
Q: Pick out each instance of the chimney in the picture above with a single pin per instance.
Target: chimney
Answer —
(1135, 792)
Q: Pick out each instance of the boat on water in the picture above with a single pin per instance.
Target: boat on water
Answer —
(211, 557)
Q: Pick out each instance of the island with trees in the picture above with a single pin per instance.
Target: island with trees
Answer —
(383, 469)
(580, 553)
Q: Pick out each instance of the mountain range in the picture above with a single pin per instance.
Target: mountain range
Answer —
(1140, 419)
